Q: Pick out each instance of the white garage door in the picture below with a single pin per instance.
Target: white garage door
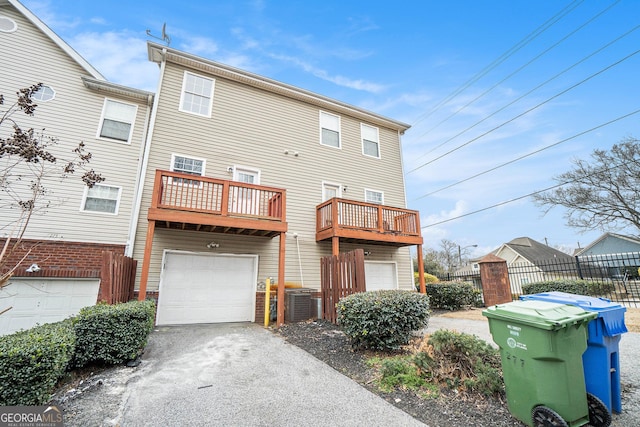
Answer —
(206, 288)
(38, 301)
(380, 275)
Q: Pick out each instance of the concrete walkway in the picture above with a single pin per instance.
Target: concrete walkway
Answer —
(243, 375)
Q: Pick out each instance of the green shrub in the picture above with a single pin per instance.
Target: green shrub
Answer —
(572, 286)
(453, 295)
(382, 320)
(112, 334)
(428, 278)
(397, 371)
(32, 361)
(462, 361)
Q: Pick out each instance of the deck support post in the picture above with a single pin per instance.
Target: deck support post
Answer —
(335, 245)
(148, 245)
(281, 262)
(423, 288)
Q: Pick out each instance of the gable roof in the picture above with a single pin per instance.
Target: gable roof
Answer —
(534, 251)
(159, 53)
(605, 236)
(54, 37)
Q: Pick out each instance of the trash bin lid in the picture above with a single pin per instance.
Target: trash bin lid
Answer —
(612, 314)
(540, 314)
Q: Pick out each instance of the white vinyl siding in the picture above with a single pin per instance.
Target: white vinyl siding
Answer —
(330, 130)
(197, 94)
(370, 141)
(373, 196)
(101, 198)
(117, 121)
(248, 129)
(71, 117)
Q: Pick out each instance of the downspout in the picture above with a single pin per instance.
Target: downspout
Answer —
(145, 162)
(133, 221)
(406, 205)
(295, 236)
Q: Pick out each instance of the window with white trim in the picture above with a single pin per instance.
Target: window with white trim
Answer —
(102, 199)
(197, 94)
(370, 141)
(7, 25)
(330, 190)
(246, 174)
(44, 94)
(373, 196)
(117, 120)
(330, 130)
(190, 165)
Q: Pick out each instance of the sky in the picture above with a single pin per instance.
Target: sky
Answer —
(501, 96)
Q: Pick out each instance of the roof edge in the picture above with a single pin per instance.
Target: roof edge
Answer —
(117, 89)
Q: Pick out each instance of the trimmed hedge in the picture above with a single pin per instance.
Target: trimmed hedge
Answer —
(577, 286)
(32, 361)
(382, 320)
(453, 295)
(112, 334)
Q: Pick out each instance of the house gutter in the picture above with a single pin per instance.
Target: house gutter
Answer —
(137, 200)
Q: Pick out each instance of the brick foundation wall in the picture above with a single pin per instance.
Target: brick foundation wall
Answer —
(58, 258)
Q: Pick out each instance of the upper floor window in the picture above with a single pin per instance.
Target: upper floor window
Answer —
(329, 129)
(373, 196)
(370, 141)
(190, 165)
(197, 94)
(44, 94)
(7, 25)
(101, 198)
(117, 120)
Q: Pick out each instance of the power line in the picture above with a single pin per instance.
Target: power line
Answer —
(526, 111)
(512, 50)
(531, 153)
(516, 72)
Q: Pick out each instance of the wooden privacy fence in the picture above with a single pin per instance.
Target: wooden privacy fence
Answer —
(340, 276)
(117, 278)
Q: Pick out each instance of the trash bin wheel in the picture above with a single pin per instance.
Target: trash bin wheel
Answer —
(599, 415)
(547, 417)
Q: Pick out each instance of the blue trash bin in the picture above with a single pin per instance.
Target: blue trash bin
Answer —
(601, 360)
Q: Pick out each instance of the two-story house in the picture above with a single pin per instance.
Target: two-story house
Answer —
(247, 178)
(75, 104)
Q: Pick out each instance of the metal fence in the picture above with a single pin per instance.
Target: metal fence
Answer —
(613, 276)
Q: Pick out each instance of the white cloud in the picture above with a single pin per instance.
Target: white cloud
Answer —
(120, 56)
(339, 80)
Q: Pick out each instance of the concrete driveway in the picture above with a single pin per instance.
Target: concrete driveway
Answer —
(244, 375)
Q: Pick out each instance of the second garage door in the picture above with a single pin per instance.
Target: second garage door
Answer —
(380, 275)
(206, 288)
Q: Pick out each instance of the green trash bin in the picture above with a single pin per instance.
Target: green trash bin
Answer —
(541, 345)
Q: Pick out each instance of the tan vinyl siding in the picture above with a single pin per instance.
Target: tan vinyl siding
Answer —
(72, 116)
(253, 128)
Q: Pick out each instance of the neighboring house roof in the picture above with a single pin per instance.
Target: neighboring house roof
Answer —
(159, 53)
(54, 37)
(532, 250)
(612, 240)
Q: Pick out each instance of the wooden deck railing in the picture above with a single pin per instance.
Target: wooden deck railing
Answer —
(340, 213)
(192, 193)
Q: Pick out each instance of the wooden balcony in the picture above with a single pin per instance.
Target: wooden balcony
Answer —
(360, 222)
(192, 202)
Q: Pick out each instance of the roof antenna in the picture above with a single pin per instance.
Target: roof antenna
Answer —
(164, 37)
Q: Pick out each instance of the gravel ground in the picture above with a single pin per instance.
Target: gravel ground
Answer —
(327, 343)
